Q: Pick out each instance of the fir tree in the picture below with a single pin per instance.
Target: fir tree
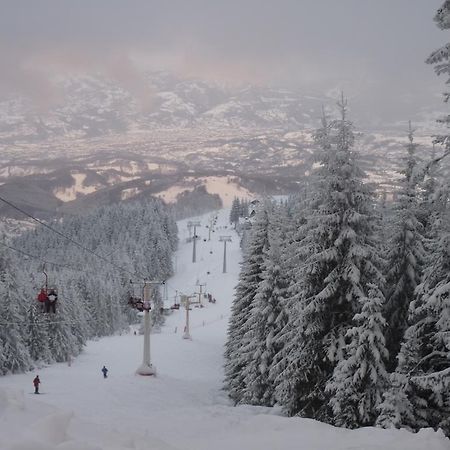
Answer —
(266, 320)
(157, 316)
(249, 279)
(235, 212)
(36, 334)
(396, 410)
(16, 357)
(337, 259)
(425, 352)
(440, 59)
(360, 379)
(406, 255)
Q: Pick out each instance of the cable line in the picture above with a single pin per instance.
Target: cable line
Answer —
(69, 239)
(37, 257)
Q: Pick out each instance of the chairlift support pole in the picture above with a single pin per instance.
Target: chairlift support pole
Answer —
(199, 293)
(194, 239)
(146, 368)
(225, 239)
(187, 304)
(210, 228)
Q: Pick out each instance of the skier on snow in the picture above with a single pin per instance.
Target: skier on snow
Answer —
(105, 372)
(36, 383)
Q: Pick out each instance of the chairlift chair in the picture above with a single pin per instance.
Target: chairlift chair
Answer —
(175, 305)
(48, 296)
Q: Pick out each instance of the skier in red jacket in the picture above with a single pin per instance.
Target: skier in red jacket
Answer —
(36, 383)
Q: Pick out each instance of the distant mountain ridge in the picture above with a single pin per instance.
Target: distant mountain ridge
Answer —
(93, 106)
(97, 144)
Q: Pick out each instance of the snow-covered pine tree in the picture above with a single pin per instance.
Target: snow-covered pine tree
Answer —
(337, 260)
(35, 325)
(249, 279)
(235, 212)
(425, 353)
(298, 367)
(15, 355)
(440, 59)
(405, 256)
(62, 343)
(396, 410)
(360, 379)
(293, 219)
(157, 316)
(266, 319)
(244, 208)
(423, 368)
(36, 334)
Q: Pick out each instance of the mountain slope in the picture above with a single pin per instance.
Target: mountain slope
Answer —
(184, 407)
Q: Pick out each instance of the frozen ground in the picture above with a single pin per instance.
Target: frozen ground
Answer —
(183, 407)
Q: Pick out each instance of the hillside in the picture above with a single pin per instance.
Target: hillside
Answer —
(184, 407)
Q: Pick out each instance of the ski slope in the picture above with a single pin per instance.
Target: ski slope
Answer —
(183, 407)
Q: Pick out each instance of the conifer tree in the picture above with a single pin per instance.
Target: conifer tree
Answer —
(440, 59)
(360, 379)
(157, 317)
(406, 255)
(16, 357)
(235, 212)
(244, 208)
(425, 351)
(36, 334)
(396, 411)
(266, 319)
(337, 260)
(249, 279)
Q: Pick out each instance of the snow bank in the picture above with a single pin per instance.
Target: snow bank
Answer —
(28, 424)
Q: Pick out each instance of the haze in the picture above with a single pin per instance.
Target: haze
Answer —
(373, 50)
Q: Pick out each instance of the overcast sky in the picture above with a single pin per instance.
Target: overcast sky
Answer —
(373, 49)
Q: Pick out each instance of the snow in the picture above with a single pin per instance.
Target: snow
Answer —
(226, 189)
(69, 194)
(129, 193)
(170, 195)
(183, 407)
(222, 186)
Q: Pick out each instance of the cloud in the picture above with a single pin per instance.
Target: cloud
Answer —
(301, 44)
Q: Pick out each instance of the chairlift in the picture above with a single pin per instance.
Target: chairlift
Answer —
(175, 305)
(48, 296)
(137, 303)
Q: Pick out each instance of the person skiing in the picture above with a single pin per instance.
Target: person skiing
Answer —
(36, 383)
(105, 372)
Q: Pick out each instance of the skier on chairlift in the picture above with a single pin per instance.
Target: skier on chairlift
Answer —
(50, 304)
(43, 297)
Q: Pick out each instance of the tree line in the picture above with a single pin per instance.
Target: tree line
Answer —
(342, 309)
(138, 238)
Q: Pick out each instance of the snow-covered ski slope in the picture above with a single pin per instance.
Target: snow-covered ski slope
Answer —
(183, 407)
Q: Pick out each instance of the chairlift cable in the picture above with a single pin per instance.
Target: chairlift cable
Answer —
(51, 263)
(17, 208)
